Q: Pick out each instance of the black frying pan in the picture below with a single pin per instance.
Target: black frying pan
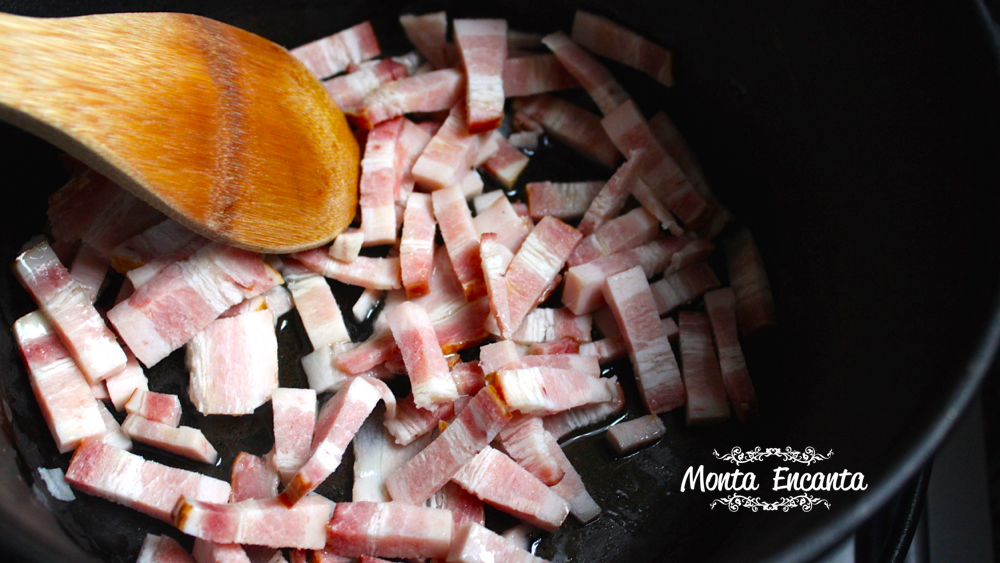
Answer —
(861, 145)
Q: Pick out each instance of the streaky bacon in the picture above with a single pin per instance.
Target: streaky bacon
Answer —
(160, 240)
(253, 477)
(318, 309)
(368, 301)
(411, 422)
(162, 549)
(389, 529)
(323, 556)
(579, 363)
(572, 125)
(294, 423)
(696, 251)
(671, 328)
(503, 484)
(543, 391)
(119, 476)
(544, 325)
(626, 437)
(507, 164)
(611, 198)
(654, 364)
(347, 245)
(481, 202)
(605, 350)
(376, 455)
(721, 306)
(350, 89)
(635, 228)
(323, 370)
(607, 39)
(754, 302)
(257, 522)
(460, 239)
(463, 505)
(182, 440)
(373, 273)
(331, 55)
(412, 141)
(683, 287)
(474, 543)
(524, 139)
(233, 364)
(122, 386)
(537, 262)
(427, 33)
(429, 92)
(523, 440)
(501, 218)
(471, 184)
(381, 175)
(535, 74)
(482, 46)
(571, 487)
(469, 377)
(160, 407)
(706, 394)
(416, 249)
(595, 78)
(561, 424)
(142, 274)
(72, 314)
(89, 270)
(450, 154)
(211, 552)
(471, 431)
(558, 346)
(563, 200)
(430, 377)
(495, 258)
(651, 201)
(113, 434)
(522, 535)
(63, 393)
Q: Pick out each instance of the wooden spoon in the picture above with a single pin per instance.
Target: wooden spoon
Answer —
(218, 128)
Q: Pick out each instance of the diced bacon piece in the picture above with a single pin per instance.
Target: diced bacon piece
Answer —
(233, 364)
(336, 425)
(318, 309)
(471, 431)
(605, 350)
(469, 377)
(524, 121)
(471, 184)
(605, 322)
(257, 522)
(535, 74)
(571, 487)
(412, 422)
(536, 264)
(463, 505)
(93, 209)
(376, 456)
(507, 164)
(324, 373)
(450, 154)
(429, 92)
(89, 270)
(696, 251)
(389, 529)
(754, 302)
(495, 258)
(579, 363)
(157, 241)
(430, 377)
(721, 306)
(706, 394)
(521, 535)
(482, 44)
(427, 33)
(323, 556)
(561, 424)
(559, 346)
(416, 249)
(474, 543)
(159, 407)
(373, 273)
(607, 39)
(611, 198)
(184, 440)
(683, 287)
(294, 423)
(499, 356)
(246, 306)
(253, 478)
(63, 393)
(67, 305)
(572, 125)
(500, 482)
(119, 476)
(366, 303)
(653, 361)
(524, 441)
(595, 78)
(626, 437)
(543, 391)
(331, 55)
(582, 290)
(543, 325)
(210, 552)
(162, 549)
(628, 130)
(122, 386)
(142, 274)
(412, 142)
(500, 218)
(460, 239)
(651, 201)
(380, 179)
(563, 200)
(635, 228)
(350, 90)
(527, 140)
(347, 245)
(113, 434)
(671, 328)
(186, 297)
(359, 359)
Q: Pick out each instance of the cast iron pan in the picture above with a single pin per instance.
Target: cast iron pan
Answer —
(859, 142)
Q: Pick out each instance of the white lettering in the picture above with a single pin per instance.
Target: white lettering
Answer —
(690, 476)
(778, 479)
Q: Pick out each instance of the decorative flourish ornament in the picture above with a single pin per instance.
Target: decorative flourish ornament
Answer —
(804, 501)
(739, 457)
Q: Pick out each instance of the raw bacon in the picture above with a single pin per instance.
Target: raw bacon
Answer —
(210, 552)
(257, 522)
(162, 549)
(521, 535)
(429, 92)
(464, 506)
(184, 440)
(119, 476)
(606, 92)
(142, 274)
(469, 377)
(635, 228)
(376, 456)
(605, 350)
(253, 477)
(561, 424)
(66, 304)
(427, 33)
(495, 258)
(62, 392)
(653, 361)
(500, 218)
(233, 364)
(294, 423)
(416, 249)
(571, 487)
(389, 529)
(563, 200)
(721, 306)
(366, 303)
(507, 164)
(89, 270)
(474, 543)
(535, 74)
(331, 55)
(527, 140)
(754, 303)
(536, 264)
(482, 44)
(460, 239)
(579, 363)
(430, 378)
(412, 422)
(122, 386)
(543, 391)
(683, 286)
(651, 201)
(373, 273)
(381, 175)
(499, 356)
(113, 435)
(450, 154)
(706, 394)
(158, 241)
(544, 325)
(524, 441)
(559, 346)
(572, 125)
(350, 90)
(695, 251)
(323, 370)
(318, 309)
(602, 37)
(611, 198)
(159, 407)
(626, 437)
(347, 245)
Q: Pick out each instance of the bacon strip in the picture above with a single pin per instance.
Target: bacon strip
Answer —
(721, 306)
(349, 90)
(626, 437)
(754, 303)
(318, 309)
(535, 74)
(543, 325)
(543, 391)
(524, 441)
(482, 44)
(696, 251)
(119, 476)
(347, 245)
(561, 424)
(294, 423)
(606, 350)
(460, 239)
(160, 240)
(572, 125)
(682, 287)
(706, 394)
(412, 422)
(389, 529)
(253, 477)
(430, 378)
(563, 200)
(416, 250)
(579, 363)
(257, 522)
(62, 392)
(66, 304)
(233, 364)
(609, 201)
(210, 552)
(427, 33)
(473, 429)
(499, 356)
(507, 164)
(183, 440)
(464, 506)
(162, 549)
(142, 274)
(113, 435)
(450, 154)
(373, 273)
(121, 387)
(474, 543)
(571, 487)
(429, 92)
(412, 142)
(500, 482)
(380, 178)
(159, 407)
(89, 270)
(635, 228)
(608, 39)
(376, 456)
(501, 218)
(366, 303)
(606, 92)
(495, 258)
(323, 370)
(653, 361)
(331, 55)
(536, 264)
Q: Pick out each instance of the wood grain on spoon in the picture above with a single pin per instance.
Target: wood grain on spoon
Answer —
(219, 128)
